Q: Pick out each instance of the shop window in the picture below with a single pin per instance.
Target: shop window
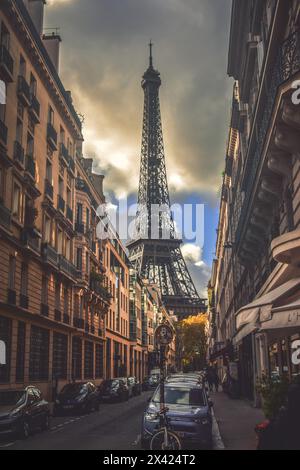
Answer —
(20, 363)
(5, 336)
(60, 356)
(88, 360)
(99, 360)
(76, 358)
(39, 354)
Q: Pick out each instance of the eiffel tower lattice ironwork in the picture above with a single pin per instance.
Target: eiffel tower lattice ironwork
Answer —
(155, 249)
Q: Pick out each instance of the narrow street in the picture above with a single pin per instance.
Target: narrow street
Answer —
(116, 426)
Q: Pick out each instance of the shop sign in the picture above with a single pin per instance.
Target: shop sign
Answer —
(296, 352)
(2, 353)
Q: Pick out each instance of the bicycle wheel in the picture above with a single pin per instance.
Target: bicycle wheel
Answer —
(158, 441)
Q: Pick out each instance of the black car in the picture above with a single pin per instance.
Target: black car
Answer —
(151, 382)
(79, 397)
(136, 385)
(113, 390)
(23, 411)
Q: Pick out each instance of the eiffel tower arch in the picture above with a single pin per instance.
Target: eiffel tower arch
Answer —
(158, 258)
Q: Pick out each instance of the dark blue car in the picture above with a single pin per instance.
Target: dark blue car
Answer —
(189, 413)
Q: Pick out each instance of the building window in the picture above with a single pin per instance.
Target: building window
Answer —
(24, 279)
(39, 354)
(5, 37)
(76, 358)
(79, 259)
(66, 301)
(49, 171)
(45, 285)
(60, 356)
(50, 116)
(88, 360)
(20, 363)
(68, 249)
(57, 296)
(33, 85)
(12, 273)
(59, 242)
(22, 67)
(47, 230)
(99, 361)
(79, 213)
(2, 184)
(16, 204)
(5, 336)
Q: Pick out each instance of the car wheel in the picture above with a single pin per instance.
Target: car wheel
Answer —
(46, 423)
(25, 430)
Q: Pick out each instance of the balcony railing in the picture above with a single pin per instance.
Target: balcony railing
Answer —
(24, 91)
(286, 65)
(6, 64)
(48, 189)
(61, 204)
(72, 165)
(30, 166)
(31, 239)
(24, 301)
(52, 136)
(34, 108)
(78, 323)
(64, 154)
(79, 227)
(49, 254)
(69, 214)
(18, 153)
(67, 267)
(3, 132)
(100, 290)
(5, 216)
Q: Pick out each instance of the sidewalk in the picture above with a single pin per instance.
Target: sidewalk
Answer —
(236, 420)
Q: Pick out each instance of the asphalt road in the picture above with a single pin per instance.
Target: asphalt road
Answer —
(116, 426)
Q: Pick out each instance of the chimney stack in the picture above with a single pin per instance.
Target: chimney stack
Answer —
(36, 11)
(52, 44)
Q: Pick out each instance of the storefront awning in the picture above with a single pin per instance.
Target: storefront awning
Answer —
(260, 311)
(287, 316)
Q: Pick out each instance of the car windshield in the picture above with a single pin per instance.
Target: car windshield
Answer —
(181, 396)
(74, 389)
(12, 398)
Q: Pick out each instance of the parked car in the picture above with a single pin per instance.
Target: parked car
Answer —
(79, 397)
(189, 413)
(23, 411)
(113, 390)
(137, 387)
(130, 386)
(150, 382)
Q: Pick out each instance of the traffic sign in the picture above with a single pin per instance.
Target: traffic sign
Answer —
(164, 335)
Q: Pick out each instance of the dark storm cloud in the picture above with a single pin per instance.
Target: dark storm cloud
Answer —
(103, 57)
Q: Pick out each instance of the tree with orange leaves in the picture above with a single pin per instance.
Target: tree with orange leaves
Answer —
(192, 335)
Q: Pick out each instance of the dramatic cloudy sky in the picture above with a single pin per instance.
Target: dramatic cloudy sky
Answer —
(104, 54)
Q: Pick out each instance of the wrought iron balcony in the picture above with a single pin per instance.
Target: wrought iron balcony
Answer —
(286, 65)
(51, 136)
(50, 254)
(67, 267)
(69, 214)
(79, 227)
(61, 204)
(5, 216)
(18, 153)
(66, 318)
(100, 290)
(6, 64)
(24, 301)
(31, 239)
(72, 165)
(48, 189)
(24, 91)
(64, 154)
(34, 108)
(30, 166)
(3, 132)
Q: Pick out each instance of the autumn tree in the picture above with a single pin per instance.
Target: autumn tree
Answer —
(192, 341)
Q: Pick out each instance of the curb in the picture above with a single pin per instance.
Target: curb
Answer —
(218, 443)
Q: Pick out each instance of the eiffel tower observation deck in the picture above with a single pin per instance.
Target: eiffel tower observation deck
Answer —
(155, 249)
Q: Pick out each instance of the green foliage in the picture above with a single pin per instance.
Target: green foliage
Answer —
(274, 393)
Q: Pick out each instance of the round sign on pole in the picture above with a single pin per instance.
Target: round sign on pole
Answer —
(164, 335)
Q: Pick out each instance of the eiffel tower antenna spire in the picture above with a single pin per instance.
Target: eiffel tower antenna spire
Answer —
(155, 250)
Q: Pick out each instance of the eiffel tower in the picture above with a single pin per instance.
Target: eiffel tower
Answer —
(155, 249)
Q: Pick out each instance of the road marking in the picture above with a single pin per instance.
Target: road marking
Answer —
(7, 445)
(217, 439)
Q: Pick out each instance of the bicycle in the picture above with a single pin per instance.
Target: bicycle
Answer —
(164, 438)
